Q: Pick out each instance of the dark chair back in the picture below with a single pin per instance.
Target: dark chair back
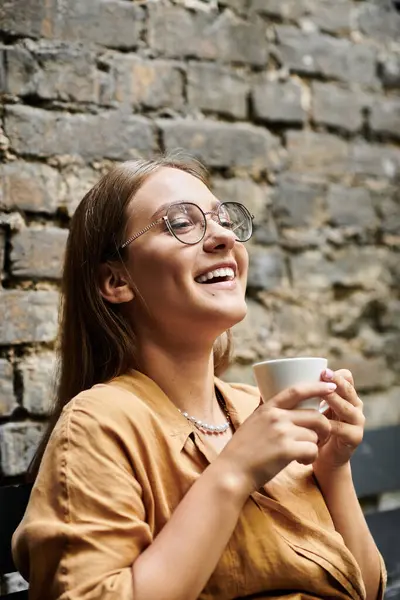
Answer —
(376, 470)
(13, 501)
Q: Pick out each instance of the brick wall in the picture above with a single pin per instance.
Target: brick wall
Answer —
(295, 107)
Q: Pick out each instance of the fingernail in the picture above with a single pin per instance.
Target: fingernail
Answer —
(328, 374)
(331, 386)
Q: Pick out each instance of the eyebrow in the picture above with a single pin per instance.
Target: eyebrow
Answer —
(164, 207)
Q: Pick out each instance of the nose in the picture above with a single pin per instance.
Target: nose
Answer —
(218, 237)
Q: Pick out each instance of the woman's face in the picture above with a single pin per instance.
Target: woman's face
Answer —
(171, 301)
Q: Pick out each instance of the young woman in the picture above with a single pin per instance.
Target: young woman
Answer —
(159, 481)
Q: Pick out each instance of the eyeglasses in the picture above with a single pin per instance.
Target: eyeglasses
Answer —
(187, 222)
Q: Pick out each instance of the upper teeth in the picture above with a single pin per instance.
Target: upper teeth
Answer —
(226, 272)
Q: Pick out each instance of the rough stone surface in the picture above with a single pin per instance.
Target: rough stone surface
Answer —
(111, 134)
(278, 101)
(38, 374)
(28, 316)
(223, 145)
(112, 23)
(147, 83)
(18, 442)
(361, 267)
(382, 409)
(390, 70)
(337, 107)
(7, 397)
(64, 72)
(379, 20)
(29, 187)
(323, 55)
(317, 153)
(351, 207)
(38, 252)
(375, 160)
(317, 12)
(267, 269)
(174, 31)
(385, 117)
(298, 203)
(219, 89)
(369, 373)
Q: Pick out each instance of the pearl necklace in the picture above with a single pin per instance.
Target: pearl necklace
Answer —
(205, 427)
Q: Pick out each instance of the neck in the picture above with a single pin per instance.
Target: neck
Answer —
(186, 376)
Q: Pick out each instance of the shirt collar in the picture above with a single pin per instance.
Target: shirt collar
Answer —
(237, 402)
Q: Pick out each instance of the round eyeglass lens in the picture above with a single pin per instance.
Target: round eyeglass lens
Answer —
(186, 222)
(237, 218)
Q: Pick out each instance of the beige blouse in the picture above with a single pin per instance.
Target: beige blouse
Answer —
(119, 461)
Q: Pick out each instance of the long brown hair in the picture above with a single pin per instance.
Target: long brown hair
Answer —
(96, 343)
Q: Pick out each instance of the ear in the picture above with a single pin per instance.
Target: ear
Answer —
(114, 284)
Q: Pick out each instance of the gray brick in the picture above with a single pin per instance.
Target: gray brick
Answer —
(38, 373)
(338, 107)
(18, 442)
(212, 87)
(382, 409)
(176, 32)
(370, 373)
(111, 135)
(385, 117)
(317, 11)
(62, 72)
(379, 20)
(252, 334)
(240, 6)
(113, 23)
(376, 160)
(29, 186)
(317, 54)
(149, 83)
(317, 153)
(351, 207)
(2, 252)
(224, 145)
(389, 210)
(19, 17)
(266, 269)
(28, 316)
(298, 203)
(390, 70)
(8, 401)
(352, 266)
(38, 252)
(77, 181)
(278, 101)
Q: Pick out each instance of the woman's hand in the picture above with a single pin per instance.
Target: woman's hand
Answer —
(345, 414)
(275, 435)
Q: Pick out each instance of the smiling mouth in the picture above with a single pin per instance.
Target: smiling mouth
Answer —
(216, 276)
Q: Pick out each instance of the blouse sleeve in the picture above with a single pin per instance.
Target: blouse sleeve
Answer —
(86, 521)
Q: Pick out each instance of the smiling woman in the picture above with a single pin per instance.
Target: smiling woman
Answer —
(157, 480)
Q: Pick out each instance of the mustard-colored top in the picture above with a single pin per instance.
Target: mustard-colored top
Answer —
(119, 461)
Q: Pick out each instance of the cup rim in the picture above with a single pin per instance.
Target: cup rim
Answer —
(283, 360)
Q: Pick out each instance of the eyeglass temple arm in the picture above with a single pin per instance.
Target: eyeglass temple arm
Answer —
(141, 232)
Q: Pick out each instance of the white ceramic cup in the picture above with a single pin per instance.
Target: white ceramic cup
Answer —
(273, 376)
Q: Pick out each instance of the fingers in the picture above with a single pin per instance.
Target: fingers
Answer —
(314, 422)
(345, 385)
(345, 410)
(291, 397)
(349, 435)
